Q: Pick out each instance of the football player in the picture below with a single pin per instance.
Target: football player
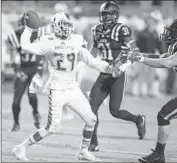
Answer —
(45, 29)
(29, 65)
(169, 110)
(110, 39)
(62, 49)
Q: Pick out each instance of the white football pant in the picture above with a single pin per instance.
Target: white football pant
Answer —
(74, 99)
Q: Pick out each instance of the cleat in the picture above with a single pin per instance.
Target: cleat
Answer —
(93, 148)
(20, 153)
(141, 126)
(153, 157)
(15, 128)
(37, 119)
(86, 155)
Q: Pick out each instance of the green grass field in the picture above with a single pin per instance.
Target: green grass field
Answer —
(117, 138)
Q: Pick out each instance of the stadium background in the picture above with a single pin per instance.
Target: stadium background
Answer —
(134, 14)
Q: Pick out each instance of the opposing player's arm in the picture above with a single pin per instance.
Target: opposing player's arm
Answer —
(88, 59)
(169, 62)
(126, 36)
(36, 48)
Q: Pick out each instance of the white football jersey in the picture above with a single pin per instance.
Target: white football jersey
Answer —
(62, 56)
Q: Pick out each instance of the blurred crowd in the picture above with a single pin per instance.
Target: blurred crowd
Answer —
(142, 80)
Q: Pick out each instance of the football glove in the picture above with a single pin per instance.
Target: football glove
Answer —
(121, 63)
(118, 70)
(135, 56)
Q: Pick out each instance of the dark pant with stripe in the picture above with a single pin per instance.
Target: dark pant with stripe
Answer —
(168, 112)
(107, 85)
(23, 78)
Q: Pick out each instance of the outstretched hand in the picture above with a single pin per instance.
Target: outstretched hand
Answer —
(134, 56)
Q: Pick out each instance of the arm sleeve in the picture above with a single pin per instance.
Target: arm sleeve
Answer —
(125, 31)
(89, 60)
(169, 62)
(36, 48)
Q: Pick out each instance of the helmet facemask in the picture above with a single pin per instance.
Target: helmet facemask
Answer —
(168, 36)
(62, 28)
(108, 18)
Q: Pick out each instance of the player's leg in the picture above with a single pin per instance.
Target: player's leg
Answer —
(20, 84)
(53, 124)
(79, 77)
(166, 114)
(80, 105)
(33, 97)
(99, 92)
(116, 96)
(34, 103)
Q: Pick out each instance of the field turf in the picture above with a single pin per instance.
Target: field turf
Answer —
(118, 139)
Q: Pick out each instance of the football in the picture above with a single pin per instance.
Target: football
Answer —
(32, 20)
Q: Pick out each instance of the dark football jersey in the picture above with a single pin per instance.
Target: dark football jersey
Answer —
(26, 59)
(110, 41)
(172, 49)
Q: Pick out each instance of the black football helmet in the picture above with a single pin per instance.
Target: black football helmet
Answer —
(109, 12)
(170, 33)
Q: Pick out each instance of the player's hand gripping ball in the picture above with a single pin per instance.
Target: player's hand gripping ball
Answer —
(32, 20)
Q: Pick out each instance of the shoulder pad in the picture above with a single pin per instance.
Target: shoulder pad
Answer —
(46, 37)
(78, 37)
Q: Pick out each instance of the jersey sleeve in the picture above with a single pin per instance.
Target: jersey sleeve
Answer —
(89, 60)
(125, 31)
(37, 47)
(126, 36)
(93, 32)
(120, 32)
